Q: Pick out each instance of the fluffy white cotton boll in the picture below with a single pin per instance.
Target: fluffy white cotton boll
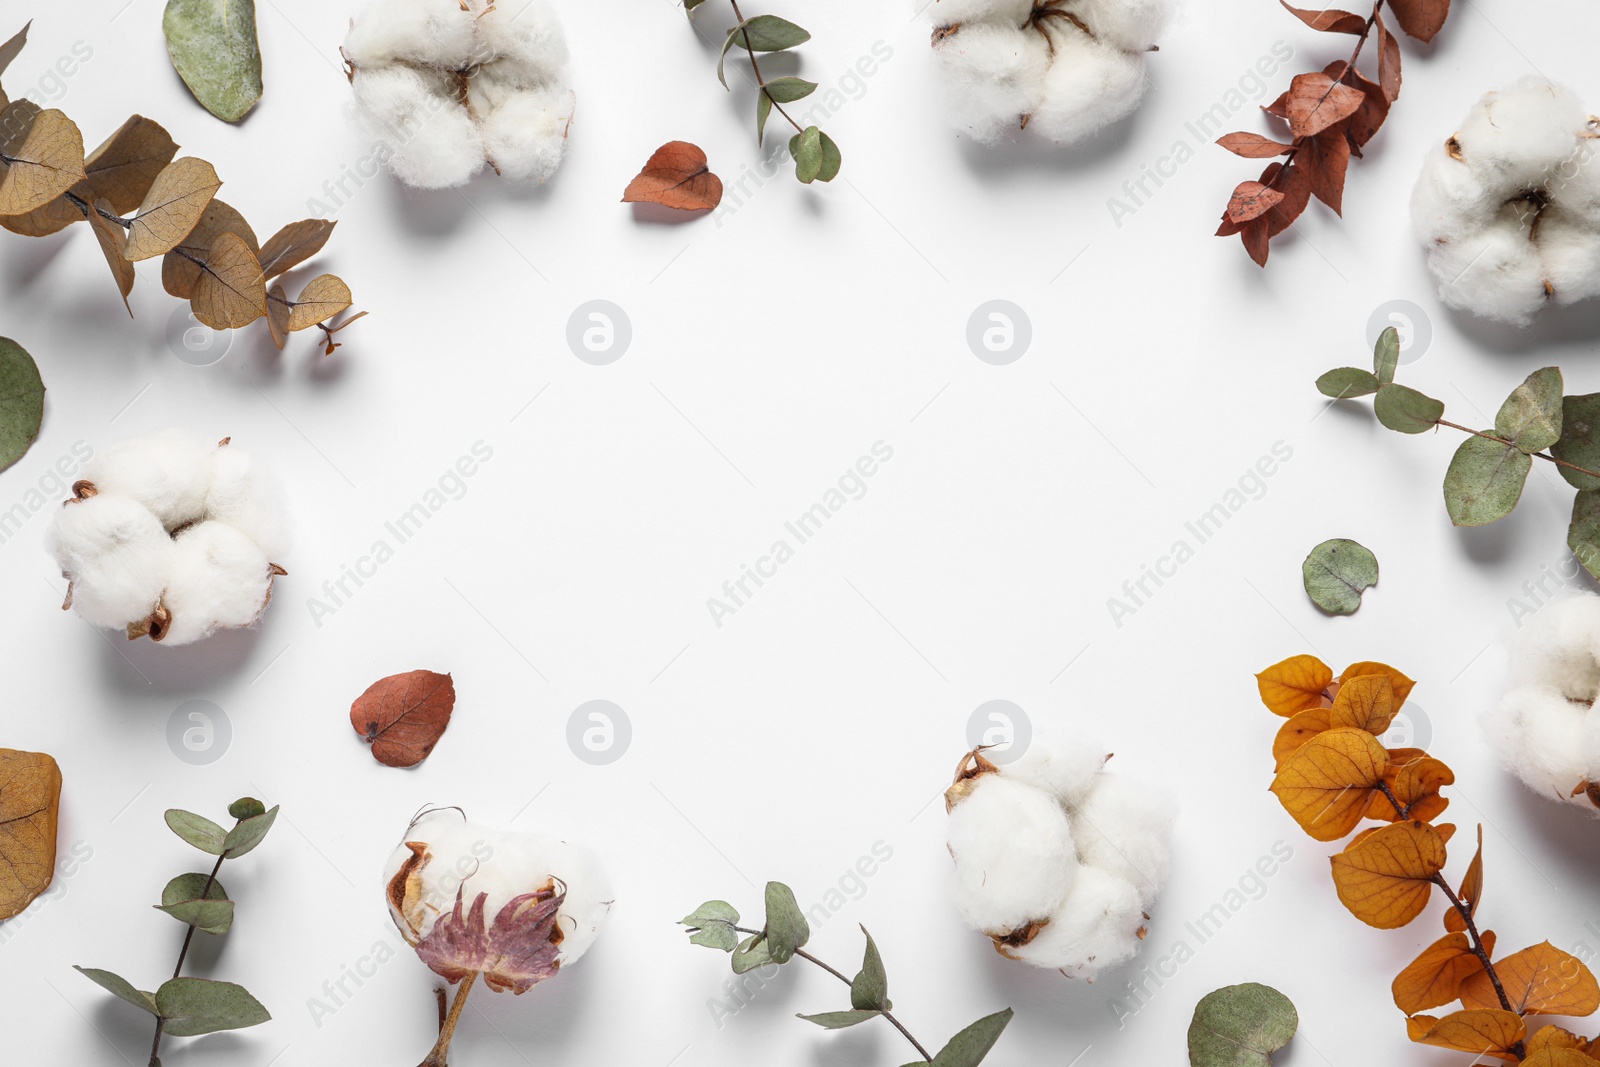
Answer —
(1495, 272)
(1570, 251)
(219, 579)
(1095, 928)
(1088, 86)
(1067, 771)
(116, 554)
(527, 33)
(1449, 198)
(1559, 648)
(432, 145)
(248, 498)
(996, 73)
(439, 30)
(1517, 135)
(951, 12)
(168, 472)
(1128, 25)
(1541, 737)
(526, 137)
(1124, 828)
(1014, 855)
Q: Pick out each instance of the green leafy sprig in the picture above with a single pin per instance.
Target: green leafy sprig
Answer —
(715, 924)
(816, 156)
(188, 1007)
(1487, 473)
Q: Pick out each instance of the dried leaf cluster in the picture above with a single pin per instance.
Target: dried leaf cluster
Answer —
(816, 156)
(141, 203)
(1333, 774)
(403, 716)
(1485, 478)
(189, 1007)
(715, 924)
(30, 804)
(1330, 116)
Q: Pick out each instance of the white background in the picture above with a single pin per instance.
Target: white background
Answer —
(771, 348)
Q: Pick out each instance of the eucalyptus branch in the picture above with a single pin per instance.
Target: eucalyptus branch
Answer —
(761, 83)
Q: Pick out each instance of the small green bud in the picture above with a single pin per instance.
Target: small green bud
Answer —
(246, 808)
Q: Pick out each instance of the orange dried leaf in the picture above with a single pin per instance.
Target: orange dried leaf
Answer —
(404, 715)
(1416, 786)
(1385, 878)
(1388, 61)
(676, 176)
(1365, 703)
(1402, 684)
(1472, 882)
(1489, 1032)
(1434, 978)
(1296, 732)
(1553, 1037)
(30, 799)
(1327, 784)
(1294, 685)
(1558, 1057)
(1541, 980)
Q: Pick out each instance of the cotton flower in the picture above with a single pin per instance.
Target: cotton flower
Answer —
(171, 536)
(449, 85)
(1057, 861)
(1063, 67)
(1545, 726)
(510, 907)
(1508, 208)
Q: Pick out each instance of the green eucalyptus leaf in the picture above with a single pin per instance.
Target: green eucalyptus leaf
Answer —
(838, 1020)
(788, 90)
(246, 808)
(1386, 355)
(787, 928)
(1405, 410)
(751, 953)
(763, 112)
(832, 160)
(198, 830)
(769, 33)
(1531, 416)
(1580, 441)
(1484, 481)
(193, 1006)
(21, 402)
(870, 989)
(1583, 536)
(1241, 1026)
(806, 148)
(193, 887)
(712, 925)
(970, 1046)
(249, 833)
(690, 5)
(719, 910)
(119, 985)
(1335, 574)
(1344, 382)
(212, 916)
(214, 49)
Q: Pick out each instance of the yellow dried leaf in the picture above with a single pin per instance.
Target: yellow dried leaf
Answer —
(41, 157)
(323, 297)
(293, 245)
(172, 207)
(1416, 785)
(125, 165)
(113, 242)
(1294, 685)
(1296, 732)
(1541, 980)
(180, 268)
(1402, 684)
(1482, 1033)
(1365, 702)
(1472, 882)
(1386, 877)
(278, 311)
(1327, 784)
(1434, 978)
(30, 798)
(1558, 1057)
(230, 292)
(1553, 1036)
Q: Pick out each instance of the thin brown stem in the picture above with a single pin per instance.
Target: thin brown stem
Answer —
(84, 206)
(761, 83)
(1486, 435)
(188, 937)
(440, 1056)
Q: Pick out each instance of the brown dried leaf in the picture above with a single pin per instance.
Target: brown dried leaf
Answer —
(1420, 18)
(172, 208)
(1434, 978)
(125, 165)
(1329, 20)
(1316, 102)
(113, 241)
(1384, 878)
(1251, 200)
(1482, 1033)
(180, 267)
(1253, 145)
(293, 245)
(323, 297)
(1324, 159)
(53, 217)
(1360, 127)
(1388, 61)
(230, 291)
(1327, 784)
(278, 311)
(1541, 980)
(30, 798)
(1296, 192)
(41, 157)
(403, 715)
(676, 176)
(13, 47)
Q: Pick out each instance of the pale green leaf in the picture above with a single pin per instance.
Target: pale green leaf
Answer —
(1405, 410)
(970, 1046)
(838, 1020)
(193, 887)
(214, 49)
(1241, 1026)
(832, 160)
(212, 916)
(1344, 382)
(1531, 416)
(1386, 355)
(752, 952)
(788, 90)
(119, 985)
(787, 928)
(248, 834)
(806, 148)
(21, 402)
(1335, 574)
(193, 1006)
(198, 830)
(1484, 481)
(1580, 439)
(1583, 536)
(870, 989)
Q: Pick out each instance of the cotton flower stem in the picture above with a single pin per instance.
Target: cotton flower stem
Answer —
(188, 937)
(1536, 455)
(439, 1057)
(809, 958)
(761, 83)
(1349, 65)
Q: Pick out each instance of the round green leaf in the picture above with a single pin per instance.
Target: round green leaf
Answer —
(712, 925)
(198, 830)
(248, 834)
(212, 916)
(1484, 481)
(832, 159)
(1405, 410)
(787, 928)
(193, 1006)
(1241, 1026)
(1583, 536)
(119, 985)
(21, 402)
(1344, 382)
(1580, 439)
(190, 887)
(214, 49)
(1531, 415)
(806, 148)
(1386, 355)
(752, 952)
(1335, 574)
(246, 808)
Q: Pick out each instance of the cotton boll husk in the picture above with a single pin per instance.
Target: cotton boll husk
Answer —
(995, 74)
(950, 12)
(218, 578)
(116, 554)
(434, 144)
(1088, 86)
(1014, 854)
(526, 32)
(1542, 738)
(1493, 272)
(249, 499)
(1516, 135)
(168, 472)
(1123, 828)
(1066, 771)
(1569, 248)
(1128, 25)
(1096, 927)
(1559, 648)
(438, 31)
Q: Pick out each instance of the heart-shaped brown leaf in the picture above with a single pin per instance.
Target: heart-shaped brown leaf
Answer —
(173, 206)
(1421, 18)
(323, 297)
(41, 157)
(1316, 102)
(293, 245)
(1253, 145)
(230, 291)
(30, 798)
(181, 267)
(403, 715)
(676, 176)
(113, 240)
(125, 165)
